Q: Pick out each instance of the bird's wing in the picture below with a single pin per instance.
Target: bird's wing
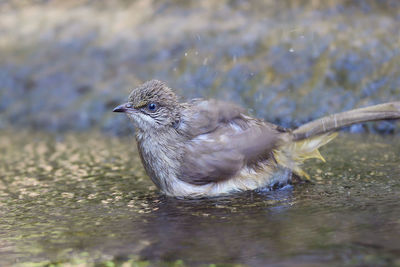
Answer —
(223, 140)
(204, 116)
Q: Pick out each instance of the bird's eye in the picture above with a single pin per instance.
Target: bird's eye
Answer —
(152, 106)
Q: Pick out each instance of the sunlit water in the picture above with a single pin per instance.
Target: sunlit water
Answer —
(84, 198)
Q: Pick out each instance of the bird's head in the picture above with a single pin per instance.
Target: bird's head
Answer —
(152, 106)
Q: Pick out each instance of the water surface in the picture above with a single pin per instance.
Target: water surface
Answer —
(84, 198)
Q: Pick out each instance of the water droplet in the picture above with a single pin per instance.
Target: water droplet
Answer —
(186, 54)
(291, 50)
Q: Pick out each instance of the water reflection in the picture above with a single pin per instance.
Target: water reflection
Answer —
(85, 197)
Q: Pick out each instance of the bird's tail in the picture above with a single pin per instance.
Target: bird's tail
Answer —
(336, 121)
(305, 140)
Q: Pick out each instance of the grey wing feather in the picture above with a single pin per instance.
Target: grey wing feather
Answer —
(223, 141)
(204, 116)
(209, 165)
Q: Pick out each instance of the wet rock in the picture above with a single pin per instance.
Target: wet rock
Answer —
(288, 62)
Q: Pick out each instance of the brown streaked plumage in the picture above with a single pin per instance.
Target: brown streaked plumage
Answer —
(209, 148)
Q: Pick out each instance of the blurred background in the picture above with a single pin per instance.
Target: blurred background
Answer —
(65, 64)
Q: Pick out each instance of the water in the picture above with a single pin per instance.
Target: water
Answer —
(84, 198)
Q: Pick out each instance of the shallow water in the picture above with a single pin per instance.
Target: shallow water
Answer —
(84, 198)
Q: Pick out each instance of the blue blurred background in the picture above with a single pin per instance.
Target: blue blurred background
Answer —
(65, 64)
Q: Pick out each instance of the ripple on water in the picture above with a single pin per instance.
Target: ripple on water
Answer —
(85, 197)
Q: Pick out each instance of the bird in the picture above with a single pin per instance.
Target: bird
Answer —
(208, 148)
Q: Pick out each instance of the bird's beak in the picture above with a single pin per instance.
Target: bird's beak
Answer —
(122, 107)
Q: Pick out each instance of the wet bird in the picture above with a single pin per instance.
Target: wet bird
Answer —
(206, 148)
